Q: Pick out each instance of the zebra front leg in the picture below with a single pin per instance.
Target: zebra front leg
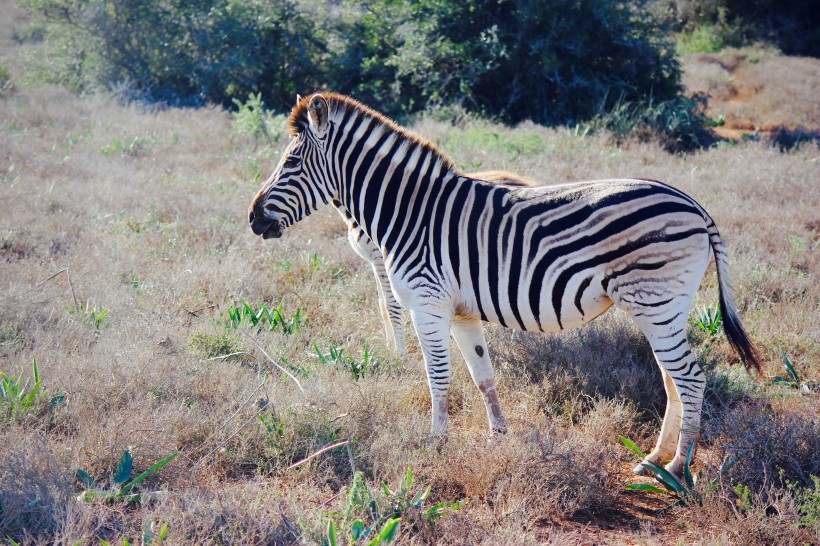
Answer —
(391, 310)
(433, 331)
(470, 339)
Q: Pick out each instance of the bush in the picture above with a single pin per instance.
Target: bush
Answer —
(710, 25)
(679, 124)
(551, 62)
(178, 52)
(548, 62)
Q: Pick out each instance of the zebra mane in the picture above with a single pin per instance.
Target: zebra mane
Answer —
(338, 104)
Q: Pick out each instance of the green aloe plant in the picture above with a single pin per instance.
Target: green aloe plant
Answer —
(793, 380)
(121, 489)
(19, 399)
(684, 490)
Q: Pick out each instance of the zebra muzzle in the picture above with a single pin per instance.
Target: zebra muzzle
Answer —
(268, 228)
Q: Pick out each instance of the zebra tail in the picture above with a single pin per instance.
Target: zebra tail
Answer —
(731, 321)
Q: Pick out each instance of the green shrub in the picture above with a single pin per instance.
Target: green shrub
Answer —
(679, 124)
(178, 52)
(253, 119)
(215, 345)
(549, 62)
(710, 25)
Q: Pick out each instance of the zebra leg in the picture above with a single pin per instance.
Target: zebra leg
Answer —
(434, 337)
(470, 339)
(674, 355)
(391, 310)
(670, 428)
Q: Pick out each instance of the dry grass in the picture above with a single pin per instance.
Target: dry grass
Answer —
(146, 209)
(757, 91)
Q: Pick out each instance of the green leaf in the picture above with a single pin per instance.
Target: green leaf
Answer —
(163, 532)
(646, 487)
(84, 477)
(154, 467)
(687, 471)
(388, 532)
(631, 445)
(409, 477)
(357, 530)
(331, 534)
(420, 497)
(666, 478)
(124, 468)
(789, 367)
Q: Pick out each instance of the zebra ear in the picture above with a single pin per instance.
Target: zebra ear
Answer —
(298, 98)
(317, 114)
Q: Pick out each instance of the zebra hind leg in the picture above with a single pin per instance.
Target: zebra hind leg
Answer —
(684, 382)
(470, 339)
(391, 310)
(433, 331)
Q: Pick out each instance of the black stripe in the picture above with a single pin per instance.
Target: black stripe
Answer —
(579, 294)
(473, 248)
(665, 322)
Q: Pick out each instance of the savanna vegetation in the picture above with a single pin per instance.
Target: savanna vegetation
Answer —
(167, 377)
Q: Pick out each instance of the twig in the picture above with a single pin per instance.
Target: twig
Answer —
(274, 362)
(220, 357)
(326, 448)
(194, 313)
(70, 284)
(350, 458)
(234, 414)
(289, 527)
(225, 441)
(331, 499)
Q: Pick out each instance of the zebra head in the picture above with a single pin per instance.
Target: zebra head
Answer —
(299, 185)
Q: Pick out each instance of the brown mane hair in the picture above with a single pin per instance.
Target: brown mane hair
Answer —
(299, 122)
(503, 178)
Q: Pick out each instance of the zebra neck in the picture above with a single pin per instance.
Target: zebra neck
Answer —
(389, 192)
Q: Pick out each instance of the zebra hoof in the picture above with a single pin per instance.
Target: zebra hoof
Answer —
(498, 430)
(641, 470)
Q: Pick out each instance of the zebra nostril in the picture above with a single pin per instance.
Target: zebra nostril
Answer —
(251, 216)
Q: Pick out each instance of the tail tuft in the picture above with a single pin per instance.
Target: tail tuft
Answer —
(737, 335)
(731, 320)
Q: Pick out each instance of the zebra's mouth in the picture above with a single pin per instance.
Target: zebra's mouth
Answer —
(275, 230)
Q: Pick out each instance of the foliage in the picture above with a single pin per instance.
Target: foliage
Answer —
(709, 25)
(96, 315)
(18, 399)
(215, 345)
(387, 510)
(709, 320)
(178, 52)
(274, 318)
(121, 487)
(809, 503)
(358, 368)
(793, 379)
(253, 119)
(679, 124)
(550, 62)
(685, 490)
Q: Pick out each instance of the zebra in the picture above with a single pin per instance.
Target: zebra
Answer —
(460, 251)
(389, 308)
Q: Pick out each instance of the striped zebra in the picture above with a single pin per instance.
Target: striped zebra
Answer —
(459, 251)
(390, 309)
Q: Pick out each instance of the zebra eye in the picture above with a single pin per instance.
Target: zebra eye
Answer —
(293, 161)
